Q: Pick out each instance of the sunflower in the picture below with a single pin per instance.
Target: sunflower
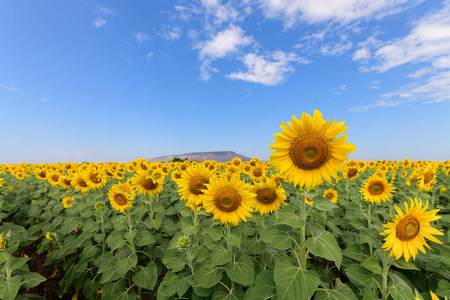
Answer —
(53, 178)
(95, 177)
(79, 183)
(377, 189)
(2, 243)
(350, 173)
(407, 233)
(66, 201)
(331, 195)
(40, 174)
(2, 182)
(229, 200)
(257, 172)
(65, 181)
(308, 152)
(121, 196)
(269, 196)
(192, 183)
(146, 184)
(427, 179)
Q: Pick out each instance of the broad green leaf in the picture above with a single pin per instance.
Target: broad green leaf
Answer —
(109, 269)
(443, 289)
(129, 236)
(18, 262)
(292, 282)
(264, 287)
(116, 240)
(355, 251)
(402, 264)
(126, 263)
(9, 291)
(323, 204)
(400, 293)
(111, 290)
(277, 236)
(361, 275)
(288, 187)
(183, 284)
(119, 222)
(369, 294)
(372, 264)
(146, 277)
(253, 246)
(221, 256)
(174, 260)
(341, 292)
(287, 216)
(242, 271)
(32, 279)
(207, 275)
(18, 233)
(168, 286)
(234, 239)
(221, 295)
(326, 246)
(215, 232)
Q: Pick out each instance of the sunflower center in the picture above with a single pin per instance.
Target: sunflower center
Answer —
(352, 173)
(266, 195)
(329, 196)
(376, 188)
(407, 228)
(120, 199)
(197, 184)
(257, 172)
(227, 200)
(55, 178)
(309, 152)
(428, 177)
(148, 184)
(95, 178)
(82, 183)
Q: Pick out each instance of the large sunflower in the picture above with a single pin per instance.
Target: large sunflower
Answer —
(146, 184)
(192, 183)
(79, 183)
(308, 151)
(228, 199)
(407, 233)
(377, 189)
(94, 176)
(121, 196)
(269, 196)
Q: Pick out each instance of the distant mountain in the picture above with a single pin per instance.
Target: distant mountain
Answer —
(219, 156)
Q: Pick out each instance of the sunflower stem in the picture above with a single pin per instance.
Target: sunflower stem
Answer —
(196, 240)
(369, 216)
(130, 229)
(303, 254)
(385, 273)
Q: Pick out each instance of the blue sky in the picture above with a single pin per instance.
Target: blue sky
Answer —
(118, 80)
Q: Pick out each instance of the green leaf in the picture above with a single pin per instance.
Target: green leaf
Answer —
(355, 251)
(292, 282)
(400, 293)
(126, 263)
(278, 237)
(9, 291)
(242, 271)
(109, 269)
(174, 260)
(183, 285)
(112, 289)
(207, 275)
(287, 216)
(288, 187)
(372, 264)
(215, 232)
(342, 291)
(18, 233)
(253, 246)
(326, 246)
(32, 279)
(168, 286)
(369, 294)
(119, 222)
(264, 287)
(323, 204)
(234, 239)
(443, 289)
(402, 264)
(221, 295)
(361, 275)
(129, 236)
(116, 240)
(221, 256)
(146, 277)
(17, 262)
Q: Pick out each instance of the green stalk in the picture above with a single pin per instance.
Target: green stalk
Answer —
(303, 254)
(384, 294)
(196, 238)
(369, 216)
(130, 229)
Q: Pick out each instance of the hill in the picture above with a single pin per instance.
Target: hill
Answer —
(219, 156)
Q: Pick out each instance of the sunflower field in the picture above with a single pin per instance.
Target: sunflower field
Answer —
(308, 224)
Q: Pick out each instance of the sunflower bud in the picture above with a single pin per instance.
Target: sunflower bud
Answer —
(99, 206)
(183, 243)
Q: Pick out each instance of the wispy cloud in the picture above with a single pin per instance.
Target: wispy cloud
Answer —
(336, 48)
(99, 22)
(10, 88)
(44, 100)
(171, 33)
(104, 10)
(374, 85)
(141, 37)
(267, 70)
(340, 89)
(149, 56)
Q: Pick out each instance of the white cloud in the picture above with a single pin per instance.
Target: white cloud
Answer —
(172, 33)
(206, 69)
(10, 88)
(442, 62)
(360, 54)
(103, 10)
(141, 37)
(225, 42)
(149, 56)
(426, 42)
(270, 70)
(421, 72)
(44, 100)
(374, 85)
(220, 12)
(340, 89)
(99, 22)
(336, 48)
(322, 11)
